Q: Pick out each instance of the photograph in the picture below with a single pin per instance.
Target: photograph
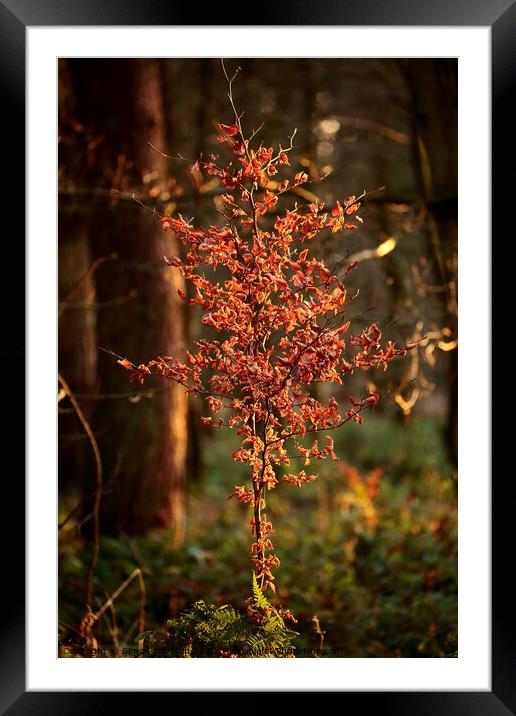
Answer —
(257, 357)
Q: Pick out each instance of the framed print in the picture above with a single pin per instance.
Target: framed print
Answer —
(203, 201)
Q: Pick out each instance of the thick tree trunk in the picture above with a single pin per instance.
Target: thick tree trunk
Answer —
(142, 438)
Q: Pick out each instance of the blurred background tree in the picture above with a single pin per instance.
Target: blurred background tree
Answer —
(126, 299)
(362, 124)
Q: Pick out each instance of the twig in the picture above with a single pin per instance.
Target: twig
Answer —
(132, 396)
(114, 633)
(178, 157)
(108, 487)
(94, 266)
(132, 197)
(98, 489)
(107, 604)
(95, 306)
(104, 617)
(69, 516)
(133, 546)
(141, 612)
(319, 632)
(133, 626)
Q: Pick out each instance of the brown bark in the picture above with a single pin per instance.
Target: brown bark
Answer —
(77, 331)
(77, 347)
(433, 88)
(142, 439)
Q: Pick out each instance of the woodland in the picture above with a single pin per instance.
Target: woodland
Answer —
(257, 383)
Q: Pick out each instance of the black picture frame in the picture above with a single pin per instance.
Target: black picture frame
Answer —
(15, 17)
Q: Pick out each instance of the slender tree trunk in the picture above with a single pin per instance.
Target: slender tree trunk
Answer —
(433, 89)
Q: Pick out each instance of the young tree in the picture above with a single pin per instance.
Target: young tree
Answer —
(279, 320)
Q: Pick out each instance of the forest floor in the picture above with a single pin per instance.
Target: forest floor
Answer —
(370, 549)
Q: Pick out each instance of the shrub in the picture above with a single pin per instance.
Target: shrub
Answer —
(208, 631)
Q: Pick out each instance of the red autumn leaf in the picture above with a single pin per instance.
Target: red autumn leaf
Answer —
(125, 363)
(337, 209)
(230, 129)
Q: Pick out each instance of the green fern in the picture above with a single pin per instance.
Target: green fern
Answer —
(273, 619)
(205, 630)
(260, 600)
